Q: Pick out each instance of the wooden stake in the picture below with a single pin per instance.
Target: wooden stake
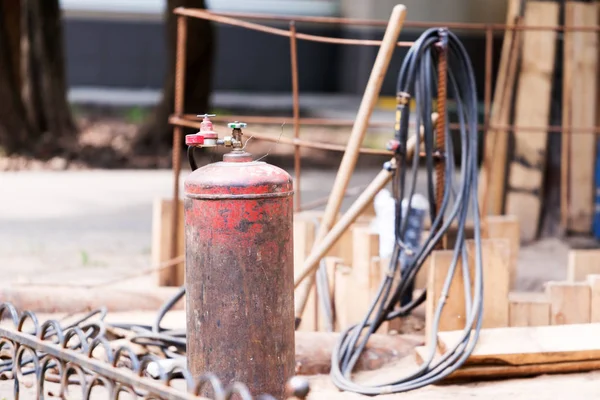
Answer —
(594, 282)
(495, 257)
(162, 212)
(580, 74)
(304, 237)
(366, 247)
(528, 309)
(582, 263)
(506, 227)
(453, 314)
(342, 293)
(493, 169)
(569, 302)
(532, 109)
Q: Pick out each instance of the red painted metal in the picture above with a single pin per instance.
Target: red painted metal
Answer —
(206, 135)
(239, 272)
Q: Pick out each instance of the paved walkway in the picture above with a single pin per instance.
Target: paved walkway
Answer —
(88, 226)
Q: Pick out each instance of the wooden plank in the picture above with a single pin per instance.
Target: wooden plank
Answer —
(453, 315)
(365, 248)
(304, 237)
(495, 257)
(342, 287)
(161, 242)
(506, 227)
(493, 170)
(530, 345)
(569, 302)
(580, 73)
(528, 309)
(470, 372)
(582, 263)
(376, 274)
(532, 109)
(594, 282)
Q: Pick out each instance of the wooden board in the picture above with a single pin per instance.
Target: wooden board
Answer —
(580, 74)
(528, 309)
(365, 248)
(161, 242)
(531, 345)
(495, 258)
(492, 175)
(304, 236)
(532, 109)
(569, 302)
(594, 282)
(506, 227)
(510, 371)
(342, 292)
(453, 314)
(582, 263)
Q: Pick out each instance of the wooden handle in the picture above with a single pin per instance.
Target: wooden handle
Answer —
(362, 120)
(330, 238)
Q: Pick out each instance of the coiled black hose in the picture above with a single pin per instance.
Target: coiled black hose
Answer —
(417, 78)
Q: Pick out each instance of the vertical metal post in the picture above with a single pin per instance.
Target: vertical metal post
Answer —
(177, 135)
(440, 142)
(296, 113)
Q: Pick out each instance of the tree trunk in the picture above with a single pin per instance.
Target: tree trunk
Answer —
(157, 132)
(13, 126)
(32, 79)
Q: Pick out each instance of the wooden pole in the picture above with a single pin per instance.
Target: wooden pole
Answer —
(356, 137)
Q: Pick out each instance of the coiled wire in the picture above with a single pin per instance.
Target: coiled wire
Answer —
(417, 78)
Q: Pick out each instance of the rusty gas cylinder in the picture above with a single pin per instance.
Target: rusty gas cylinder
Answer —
(239, 271)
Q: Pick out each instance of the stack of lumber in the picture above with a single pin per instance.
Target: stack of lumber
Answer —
(554, 331)
(526, 351)
(512, 177)
(355, 270)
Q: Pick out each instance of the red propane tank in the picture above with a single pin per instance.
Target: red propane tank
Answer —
(239, 270)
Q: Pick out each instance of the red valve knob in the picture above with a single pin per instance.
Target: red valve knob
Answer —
(206, 136)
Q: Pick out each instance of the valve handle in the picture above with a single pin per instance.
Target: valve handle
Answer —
(206, 115)
(237, 125)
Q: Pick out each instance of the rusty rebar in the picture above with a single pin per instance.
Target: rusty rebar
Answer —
(258, 119)
(296, 113)
(440, 137)
(286, 140)
(180, 61)
(203, 14)
(478, 26)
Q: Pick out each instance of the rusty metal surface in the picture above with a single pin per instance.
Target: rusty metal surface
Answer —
(180, 61)
(79, 357)
(296, 112)
(239, 273)
(440, 136)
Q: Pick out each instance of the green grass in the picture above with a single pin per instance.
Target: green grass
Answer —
(136, 115)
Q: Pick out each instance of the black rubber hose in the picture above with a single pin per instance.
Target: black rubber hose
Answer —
(417, 78)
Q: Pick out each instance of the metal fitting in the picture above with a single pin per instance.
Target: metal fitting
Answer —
(402, 98)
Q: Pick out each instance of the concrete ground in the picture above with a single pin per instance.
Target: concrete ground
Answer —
(84, 227)
(81, 227)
